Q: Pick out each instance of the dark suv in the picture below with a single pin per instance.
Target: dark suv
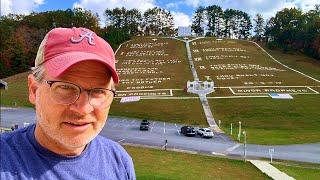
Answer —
(188, 131)
(144, 125)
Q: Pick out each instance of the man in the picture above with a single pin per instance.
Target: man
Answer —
(71, 88)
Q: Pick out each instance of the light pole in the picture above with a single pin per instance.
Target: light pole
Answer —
(239, 133)
(245, 146)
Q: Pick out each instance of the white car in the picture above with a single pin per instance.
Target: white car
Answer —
(205, 132)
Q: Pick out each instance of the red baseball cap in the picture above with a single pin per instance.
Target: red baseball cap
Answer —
(63, 47)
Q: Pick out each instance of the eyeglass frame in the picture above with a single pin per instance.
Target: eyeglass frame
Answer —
(51, 82)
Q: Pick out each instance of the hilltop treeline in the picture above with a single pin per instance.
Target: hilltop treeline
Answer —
(22, 35)
(213, 21)
(290, 29)
(293, 30)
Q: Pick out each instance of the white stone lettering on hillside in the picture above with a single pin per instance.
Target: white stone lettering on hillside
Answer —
(139, 53)
(243, 67)
(148, 45)
(291, 90)
(224, 50)
(240, 76)
(140, 70)
(217, 57)
(150, 61)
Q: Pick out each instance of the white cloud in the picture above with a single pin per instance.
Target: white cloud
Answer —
(267, 8)
(19, 6)
(99, 6)
(193, 3)
(181, 19)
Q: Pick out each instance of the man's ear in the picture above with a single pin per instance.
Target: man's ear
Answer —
(33, 86)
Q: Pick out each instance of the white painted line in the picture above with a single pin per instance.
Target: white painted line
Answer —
(276, 92)
(164, 127)
(231, 90)
(143, 90)
(233, 148)
(118, 49)
(215, 153)
(154, 97)
(313, 90)
(121, 140)
(171, 94)
(227, 87)
(226, 97)
(283, 64)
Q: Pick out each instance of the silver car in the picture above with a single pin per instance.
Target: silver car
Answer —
(205, 132)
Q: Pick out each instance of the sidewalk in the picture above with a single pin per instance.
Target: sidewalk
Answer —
(270, 170)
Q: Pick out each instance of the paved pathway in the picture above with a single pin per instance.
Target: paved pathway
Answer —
(270, 170)
(202, 95)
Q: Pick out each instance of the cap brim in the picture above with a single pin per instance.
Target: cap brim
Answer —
(58, 65)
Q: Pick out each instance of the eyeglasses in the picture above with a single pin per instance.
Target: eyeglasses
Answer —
(68, 93)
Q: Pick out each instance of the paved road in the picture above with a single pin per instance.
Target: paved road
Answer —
(126, 130)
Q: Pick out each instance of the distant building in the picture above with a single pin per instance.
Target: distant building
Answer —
(3, 84)
(184, 31)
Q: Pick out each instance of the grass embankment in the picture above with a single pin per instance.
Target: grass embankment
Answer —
(297, 61)
(158, 164)
(241, 63)
(269, 121)
(17, 93)
(174, 110)
(300, 171)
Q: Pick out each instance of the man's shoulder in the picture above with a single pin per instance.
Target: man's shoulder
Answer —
(107, 143)
(10, 137)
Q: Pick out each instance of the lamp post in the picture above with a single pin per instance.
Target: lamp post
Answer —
(245, 146)
(239, 133)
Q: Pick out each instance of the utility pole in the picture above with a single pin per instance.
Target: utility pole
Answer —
(245, 146)
(239, 133)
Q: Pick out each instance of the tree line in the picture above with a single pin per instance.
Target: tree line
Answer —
(213, 21)
(289, 30)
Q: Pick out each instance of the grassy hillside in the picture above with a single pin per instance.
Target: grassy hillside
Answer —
(17, 93)
(158, 164)
(269, 121)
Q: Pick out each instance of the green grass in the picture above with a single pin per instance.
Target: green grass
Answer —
(297, 61)
(159, 164)
(173, 111)
(17, 93)
(211, 54)
(298, 172)
(270, 121)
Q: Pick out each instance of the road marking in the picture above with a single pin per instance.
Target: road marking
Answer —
(313, 90)
(215, 153)
(121, 140)
(233, 148)
(164, 127)
(231, 90)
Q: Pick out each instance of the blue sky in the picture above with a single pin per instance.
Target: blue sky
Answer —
(182, 10)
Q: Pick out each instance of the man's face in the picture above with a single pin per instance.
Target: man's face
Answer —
(67, 129)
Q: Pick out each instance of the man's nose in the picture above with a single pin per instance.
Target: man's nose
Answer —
(82, 105)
